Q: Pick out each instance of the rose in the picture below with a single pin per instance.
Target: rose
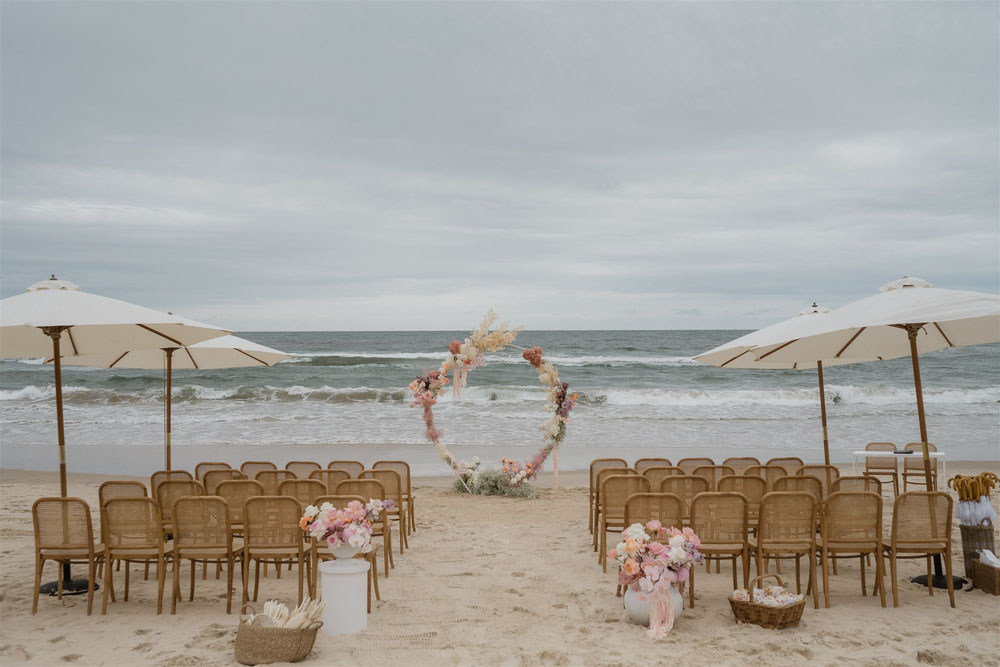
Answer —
(631, 567)
(454, 347)
(654, 526)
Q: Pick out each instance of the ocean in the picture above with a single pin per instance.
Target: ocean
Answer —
(639, 394)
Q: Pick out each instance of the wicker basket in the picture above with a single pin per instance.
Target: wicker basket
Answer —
(986, 577)
(773, 618)
(974, 540)
(260, 645)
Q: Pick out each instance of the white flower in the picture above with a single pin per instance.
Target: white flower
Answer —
(677, 541)
(357, 540)
(311, 511)
(678, 555)
(475, 459)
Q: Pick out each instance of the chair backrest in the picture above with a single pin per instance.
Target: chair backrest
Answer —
(713, 473)
(202, 468)
(853, 516)
(666, 508)
(739, 464)
(768, 473)
(688, 465)
(164, 475)
(202, 521)
(214, 477)
(827, 475)
(719, 517)
(116, 489)
(751, 487)
(922, 516)
(133, 523)
(272, 521)
(306, 491)
(686, 487)
(857, 483)
(888, 464)
(251, 468)
(600, 464)
(915, 462)
(642, 464)
(169, 491)
(616, 489)
(271, 479)
(235, 492)
(808, 483)
(401, 467)
(62, 523)
(302, 469)
(366, 488)
(655, 474)
(789, 463)
(787, 516)
(353, 467)
(330, 477)
(603, 474)
(390, 481)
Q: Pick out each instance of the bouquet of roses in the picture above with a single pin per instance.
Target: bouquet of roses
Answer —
(652, 560)
(351, 525)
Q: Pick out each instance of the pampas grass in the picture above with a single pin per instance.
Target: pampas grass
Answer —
(493, 482)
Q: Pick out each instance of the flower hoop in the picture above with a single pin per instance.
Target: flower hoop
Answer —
(465, 357)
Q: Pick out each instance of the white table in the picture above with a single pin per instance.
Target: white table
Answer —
(864, 453)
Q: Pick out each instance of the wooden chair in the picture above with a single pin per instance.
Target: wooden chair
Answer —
(788, 531)
(688, 465)
(642, 508)
(713, 473)
(641, 464)
(132, 528)
(852, 526)
(883, 466)
(394, 491)
(321, 550)
(807, 483)
(272, 535)
(164, 475)
(768, 473)
(596, 466)
(272, 479)
(857, 483)
(602, 475)
(302, 469)
(168, 492)
(921, 528)
(403, 468)
(686, 487)
(913, 466)
(353, 467)
(202, 535)
(117, 489)
(752, 488)
(656, 474)
(202, 468)
(64, 534)
(739, 464)
(789, 463)
(330, 478)
(306, 491)
(370, 489)
(827, 475)
(235, 492)
(615, 490)
(212, 479)
(720, 522)
(251, 468)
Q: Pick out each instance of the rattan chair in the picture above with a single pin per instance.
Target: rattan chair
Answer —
(394, 490)
(641, 464)
(852, 526)
(403, 468)
(768, 473)
(753, 489)
(787, 530)
(321, 551)
(826, 474)
(686, 487)
(133, 534)
(688, 465)
(306, 491)
(656, 474)
(353, 467)
(117, 489)
(602, 475)
(272, 535)
(615, 490)
(596, 466)
(330, 478)
(202, 535)
(740, 463)
(666, 508)
(713, 474)
(371, 489)
(64, 534)
(213, 478)
(921, 528)
(202, 468)
(913, 466)
(857, 483)
(789, 463)
(883, 466)
(272, 479)
(168, 492)
(807, 483)
(251, 468)
(302, 469)
(164, 475)
(720, 522)
(235, 492)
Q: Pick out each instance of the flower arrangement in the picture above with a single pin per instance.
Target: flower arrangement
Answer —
(351, 525)
(770, 596)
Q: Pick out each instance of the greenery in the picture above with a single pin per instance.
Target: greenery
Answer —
(492, 482)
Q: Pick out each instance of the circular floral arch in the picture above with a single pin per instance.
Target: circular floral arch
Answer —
(464, 357)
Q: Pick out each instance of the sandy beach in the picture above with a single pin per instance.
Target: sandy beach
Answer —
(488, 581)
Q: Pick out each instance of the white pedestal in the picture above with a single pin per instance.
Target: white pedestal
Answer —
(344, 588)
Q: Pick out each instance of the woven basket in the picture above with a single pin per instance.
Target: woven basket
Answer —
(986, 577)
(773, 618)
(260, 645)
(974, 540)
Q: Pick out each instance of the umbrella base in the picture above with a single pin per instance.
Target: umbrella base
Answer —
(70, 587)
(940, 581)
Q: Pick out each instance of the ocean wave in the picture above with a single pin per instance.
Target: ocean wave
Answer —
(848, 394)
(364, 358)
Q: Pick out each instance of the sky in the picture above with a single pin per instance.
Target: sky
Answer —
(407, 166)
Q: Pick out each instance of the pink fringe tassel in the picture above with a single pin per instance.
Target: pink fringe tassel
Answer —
(661, 616)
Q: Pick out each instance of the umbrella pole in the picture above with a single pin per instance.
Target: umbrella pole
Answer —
(822, 412)
(168, 397)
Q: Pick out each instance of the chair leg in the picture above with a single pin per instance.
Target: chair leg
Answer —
(798, 574)
(161, 575)
(39, 562)
(590, 513)
(812, 577)
(864, 586)
(385, 557)
(690, 584)
(301, 567)
(826, 577)
(374, 571)
(175, 585)
(746, 567)
(930, 584)
(145, 574)
(108, 584)
(128, 568)
(91, 575)
(602, 553)
(194, 566)
(735, 582)
(256, 579)
(245, 576)
(229, 583)
(59, 581)
(880, 574)
(895, 582)
(947, 571)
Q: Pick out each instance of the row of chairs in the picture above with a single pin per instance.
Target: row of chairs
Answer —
(913, 466)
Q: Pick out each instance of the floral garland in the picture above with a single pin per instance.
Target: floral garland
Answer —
(464, 357)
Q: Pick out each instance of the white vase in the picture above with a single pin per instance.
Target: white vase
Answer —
(344, 551)
(637, 605)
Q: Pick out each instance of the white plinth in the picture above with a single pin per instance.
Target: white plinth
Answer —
(344, 588)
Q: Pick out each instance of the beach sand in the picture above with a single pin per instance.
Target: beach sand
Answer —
(488, 581)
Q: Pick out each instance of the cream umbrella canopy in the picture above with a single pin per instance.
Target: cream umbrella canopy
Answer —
(221, 352)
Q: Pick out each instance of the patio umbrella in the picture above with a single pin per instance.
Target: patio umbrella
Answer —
(221, 352)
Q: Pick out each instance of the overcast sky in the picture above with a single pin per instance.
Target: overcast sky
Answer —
(291, 166)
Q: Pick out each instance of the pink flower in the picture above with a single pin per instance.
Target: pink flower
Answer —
(613, 554)
(669, 576)
(654, 526)
(454, 347)
(683, 574)
(656, 548)
(631, 567)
